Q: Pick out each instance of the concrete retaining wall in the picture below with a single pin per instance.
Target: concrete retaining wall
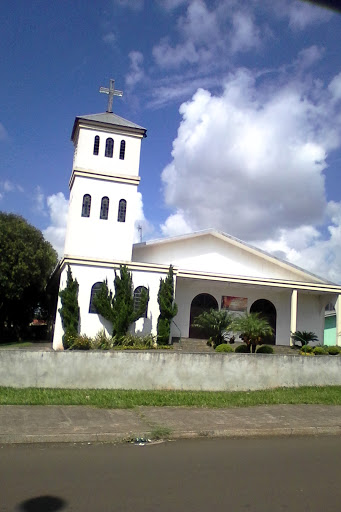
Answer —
(160, 370)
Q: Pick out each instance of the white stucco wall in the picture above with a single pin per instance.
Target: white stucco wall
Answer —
(85, 158)
(92, 237)
(208, 253)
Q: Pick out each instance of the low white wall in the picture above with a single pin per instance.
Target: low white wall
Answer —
(164, 370)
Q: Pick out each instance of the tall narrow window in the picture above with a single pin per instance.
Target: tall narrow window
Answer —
(122, 209)
(137, 299)
(122, 149)
(96, 145)
(109, 147)
(95, 289)
(86, 205)
(104, 208)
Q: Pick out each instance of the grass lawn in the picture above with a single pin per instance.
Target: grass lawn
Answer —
(15, 344)
(124, 399)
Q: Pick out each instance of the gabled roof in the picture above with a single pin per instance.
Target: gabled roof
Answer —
(111, 119)
(238, 243)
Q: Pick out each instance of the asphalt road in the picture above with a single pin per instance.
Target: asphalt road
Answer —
(265, 475)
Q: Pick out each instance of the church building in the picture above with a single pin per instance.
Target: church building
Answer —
(211, 269)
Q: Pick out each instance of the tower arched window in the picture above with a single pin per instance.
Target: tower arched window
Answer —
(122, 210)
(94, 290)
(109, 147)
(122, 149)
(86, 205)
(96, 145)
(137, 299)
(104, 208)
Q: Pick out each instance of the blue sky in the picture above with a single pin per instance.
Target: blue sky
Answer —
(241, 100)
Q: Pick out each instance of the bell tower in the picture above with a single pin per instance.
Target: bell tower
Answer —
(103, 185)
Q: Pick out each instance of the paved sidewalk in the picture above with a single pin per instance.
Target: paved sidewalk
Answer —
(41, 424)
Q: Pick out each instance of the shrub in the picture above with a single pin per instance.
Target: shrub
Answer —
(306, 349)
(242, 349)
(333, 351)
(253, 328)
(130, 340)
(304, 337)
(81, 342)
(168, 308)
(215, 323)
(102, 341)
(69, 312)
(265, 349)
(224, 347)
(319, 351)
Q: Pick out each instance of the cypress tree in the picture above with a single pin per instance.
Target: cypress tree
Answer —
(167, 306)
(119, 308)
(69, 311)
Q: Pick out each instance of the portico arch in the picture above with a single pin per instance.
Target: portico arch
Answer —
(200, 303)
(268, 311)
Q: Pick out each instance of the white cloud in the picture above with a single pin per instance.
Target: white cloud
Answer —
(141, 222)
(39, 200)
(8, 186)
(251, 162)
(335, 87)
(109, 38)
(302, 14)
(245, 34)
(55, 232)
(136, 73)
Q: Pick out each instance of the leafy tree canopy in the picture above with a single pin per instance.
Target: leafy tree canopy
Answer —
(26, 262)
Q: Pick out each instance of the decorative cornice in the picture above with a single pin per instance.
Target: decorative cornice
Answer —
(118, 178)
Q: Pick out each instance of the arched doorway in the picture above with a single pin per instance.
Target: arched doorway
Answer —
(268, 311)
(200, 303)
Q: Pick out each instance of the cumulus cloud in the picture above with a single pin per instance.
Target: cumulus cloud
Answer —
(301, 14)
(55, 232)
(251, 162)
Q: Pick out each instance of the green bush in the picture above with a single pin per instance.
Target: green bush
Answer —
(265, 349)
(131, 340)
(224, 347)
(319, 351)
(102, 341)
(81, 342)
(333, 351)
(306, 349)
(242, 349)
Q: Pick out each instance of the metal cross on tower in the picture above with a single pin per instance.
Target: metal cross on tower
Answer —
(111, 91)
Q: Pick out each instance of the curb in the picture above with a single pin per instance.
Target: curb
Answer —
(122, 437)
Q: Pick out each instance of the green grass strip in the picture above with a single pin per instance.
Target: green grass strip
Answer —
(124, 399)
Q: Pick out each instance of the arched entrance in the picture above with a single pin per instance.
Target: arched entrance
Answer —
(268, 311)
(200, 303)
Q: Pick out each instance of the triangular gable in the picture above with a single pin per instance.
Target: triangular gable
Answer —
(217, 252)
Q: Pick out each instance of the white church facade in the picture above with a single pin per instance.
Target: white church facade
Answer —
(211, 268)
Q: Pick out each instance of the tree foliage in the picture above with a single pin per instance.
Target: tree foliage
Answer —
(215, 323)
(26, 263)
(253, 328)
(69, 311)
(119, 309)
(167, 306)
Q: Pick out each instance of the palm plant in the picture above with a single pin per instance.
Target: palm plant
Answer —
(215, 323)
(253, 328)
(304, 337)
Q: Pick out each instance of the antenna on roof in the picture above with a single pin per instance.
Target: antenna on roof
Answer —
(139, 229)
(111, 91)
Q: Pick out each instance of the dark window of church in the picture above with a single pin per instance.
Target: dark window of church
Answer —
(95, 289)
(104, 208)
(109, 147)
(122, 149)
(96, 145)
(137, 299)
(122, 209)
(86, 205)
